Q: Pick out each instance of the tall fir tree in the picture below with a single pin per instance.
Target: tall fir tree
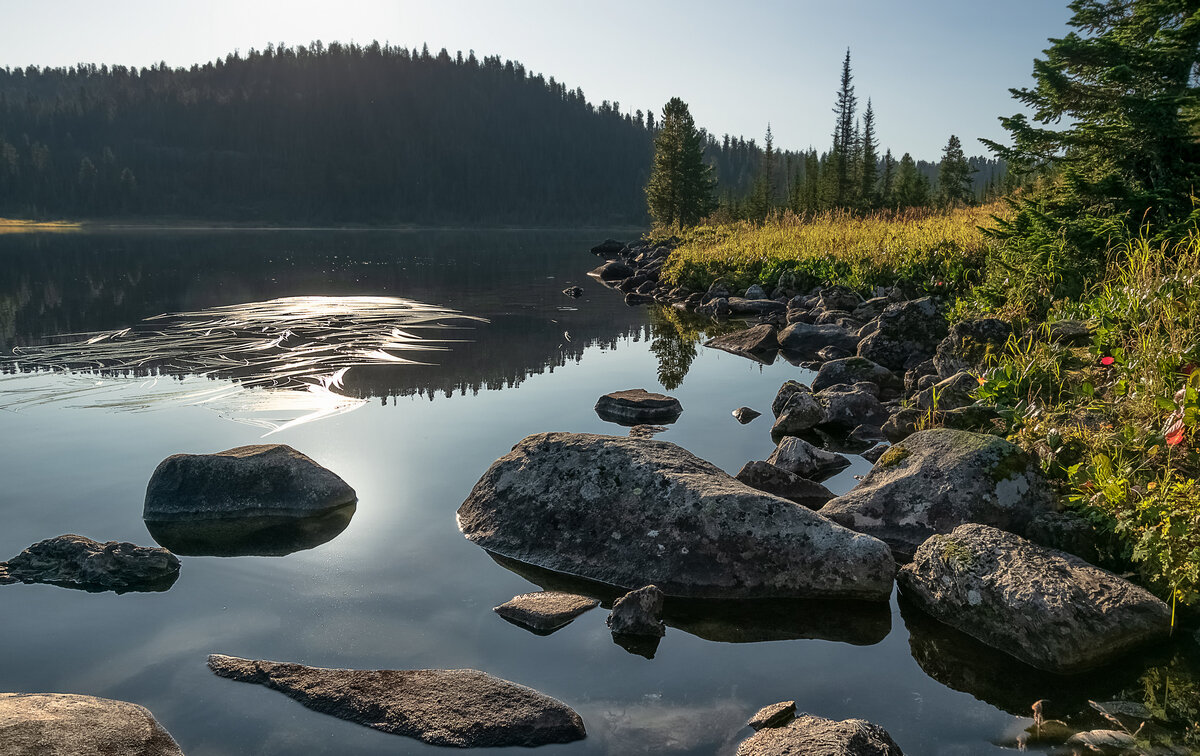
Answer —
(887, 180)
(762, 201)
(812, 181)
(681, 187)
(954, 176)
(840, 167)
(868, 162)
(912, 189)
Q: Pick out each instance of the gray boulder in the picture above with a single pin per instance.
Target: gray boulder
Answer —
(741, 306)
(608, 248)
(612, 271)
(913, 375)
(829, 354)
(62, 724)
(802, 458)
(970, 345)
(838, 298)
(847, 407)
(773, 715)
(936, 480)
(852, 370)
(801, 412)
(638, 613)
(1047, 608)
(77, 562)
(718, 307)
(628, 512)
(744, 414)
(638, 406)
(765, 476)
(784, 394)
(446, 707)
(544, 611)
(816, 736)
(1069, 332)
(755, 292)
(806, 340)
(904, 335)
(249, 481)
(755, 341)
(951, 393)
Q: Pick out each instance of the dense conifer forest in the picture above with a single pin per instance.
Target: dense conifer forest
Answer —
(344, 133)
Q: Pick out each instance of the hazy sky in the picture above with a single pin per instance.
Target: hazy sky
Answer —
(931, 67)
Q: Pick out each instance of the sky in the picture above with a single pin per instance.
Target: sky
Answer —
(931, 68)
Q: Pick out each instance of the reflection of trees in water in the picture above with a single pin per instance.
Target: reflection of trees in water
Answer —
(675, 337)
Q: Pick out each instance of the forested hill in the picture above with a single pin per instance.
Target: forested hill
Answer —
(341, 133)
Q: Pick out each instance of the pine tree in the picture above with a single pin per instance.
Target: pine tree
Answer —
(954, 176)
(888, 180)
(868, 163)
(912, 189)
(843, 135)
(681, 187)
(812, 181)
(762, 201)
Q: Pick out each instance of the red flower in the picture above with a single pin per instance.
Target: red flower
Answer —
(1174, 429)
(1106, 361)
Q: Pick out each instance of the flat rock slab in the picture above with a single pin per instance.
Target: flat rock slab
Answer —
(249, 481)
(637, 407)
(77, 562)
(773, 715)
(1050, 609)
(817, 736)
(935, 480)
(545, 611)
(447, 707)
(627, 512)
(765, 476)
(753, 342)
(61, 724)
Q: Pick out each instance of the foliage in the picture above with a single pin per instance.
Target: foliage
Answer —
(924, 250)
(954, 176)
(680, 191)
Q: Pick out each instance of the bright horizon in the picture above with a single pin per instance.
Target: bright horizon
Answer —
(941, 68)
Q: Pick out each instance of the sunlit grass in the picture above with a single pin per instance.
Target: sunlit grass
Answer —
(918, 246)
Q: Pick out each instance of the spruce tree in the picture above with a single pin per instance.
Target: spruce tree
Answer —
(954, 176)
(843, 135)
(868, 163)
(886, 183)
(681, 187)
(912, 189)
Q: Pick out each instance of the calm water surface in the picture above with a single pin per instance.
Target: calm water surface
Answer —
(400, 587)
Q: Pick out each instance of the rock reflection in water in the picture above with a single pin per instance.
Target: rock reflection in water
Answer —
(860, 623)
(958, 661)
(250, 536)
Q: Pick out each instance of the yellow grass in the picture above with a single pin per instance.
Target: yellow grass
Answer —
(15, 226)
(859, 251)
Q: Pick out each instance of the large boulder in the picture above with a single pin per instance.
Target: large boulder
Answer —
(638, 613)
(802, 458)
(1050, 609)
(904, 335)
(838, 298)
(638, 406)
(765, 476)
(249, 481)
(628, 512)
(852, 370)
(62, 724)
(446, 707)
(950, 393)
(806, 340)
(753, 342)
(801, 412)
(935, 480)
(612, 271)
(78, 562)
(785, 393)
(817, 736)
(847, 407)
(970, 345)
(742, 306)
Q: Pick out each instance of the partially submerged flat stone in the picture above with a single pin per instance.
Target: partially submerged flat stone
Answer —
(78, 562)
(773, 715)
(627, 512)
(637, 407)
(807, 735)
(62, 724)
(765, 476)
(465, 708)
(249, 481)
(755, 341)
(545, 611)
(1050, 609)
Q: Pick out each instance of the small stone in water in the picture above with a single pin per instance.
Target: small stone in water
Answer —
(745, 414)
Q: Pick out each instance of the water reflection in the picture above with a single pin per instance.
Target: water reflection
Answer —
(250, 536)
(859, 623)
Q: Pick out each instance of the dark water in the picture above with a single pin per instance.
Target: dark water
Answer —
(397, 586)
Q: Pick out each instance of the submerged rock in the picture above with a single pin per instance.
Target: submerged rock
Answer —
(77, 562)
(545, 611)
(1047, 608)
(250, 536)
(767, 477)
(637, 407)
(638, 613)
(62, 724)
(626, 512)
(249, 481)
(936, 480)
(773, 715)
(802, 458)
(574, 292)
(817, 736)
(447, 707)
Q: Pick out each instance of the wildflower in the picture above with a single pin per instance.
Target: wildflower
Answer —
(1174, 429)
(1106, 361)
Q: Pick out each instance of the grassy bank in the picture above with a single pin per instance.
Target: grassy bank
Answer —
(926, 250)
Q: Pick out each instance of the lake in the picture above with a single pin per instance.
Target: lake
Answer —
(399, 587)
